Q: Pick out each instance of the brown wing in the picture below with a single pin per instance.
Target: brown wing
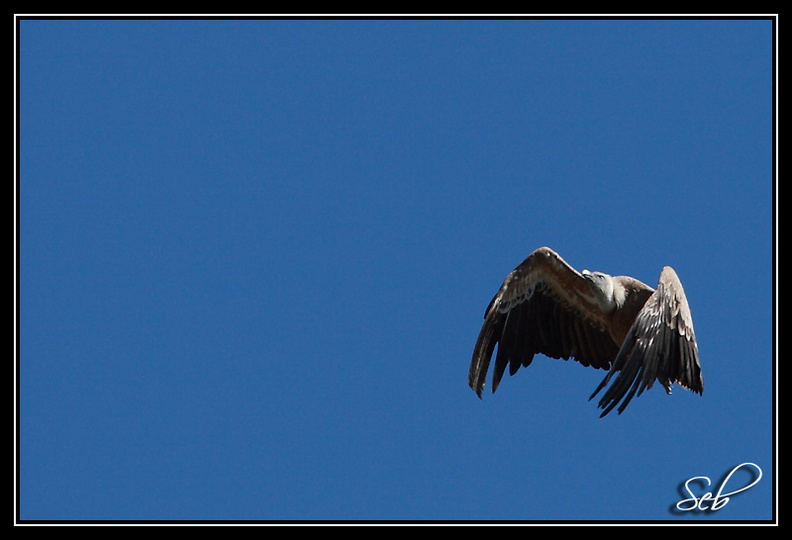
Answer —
(544, 306)
(660, 345)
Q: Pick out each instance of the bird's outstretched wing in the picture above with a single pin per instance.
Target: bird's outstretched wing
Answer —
(660, 345)
(544, 306)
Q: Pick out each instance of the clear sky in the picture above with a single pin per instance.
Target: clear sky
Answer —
(254, 257)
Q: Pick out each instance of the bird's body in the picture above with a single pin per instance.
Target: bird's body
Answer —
(610, 322)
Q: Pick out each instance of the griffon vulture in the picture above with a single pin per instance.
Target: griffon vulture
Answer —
(609, 322)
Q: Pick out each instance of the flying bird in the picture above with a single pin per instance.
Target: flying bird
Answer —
(618, 323)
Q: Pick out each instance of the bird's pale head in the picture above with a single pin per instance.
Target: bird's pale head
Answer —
(602, 285)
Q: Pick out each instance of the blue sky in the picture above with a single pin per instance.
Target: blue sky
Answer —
(254, 257)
